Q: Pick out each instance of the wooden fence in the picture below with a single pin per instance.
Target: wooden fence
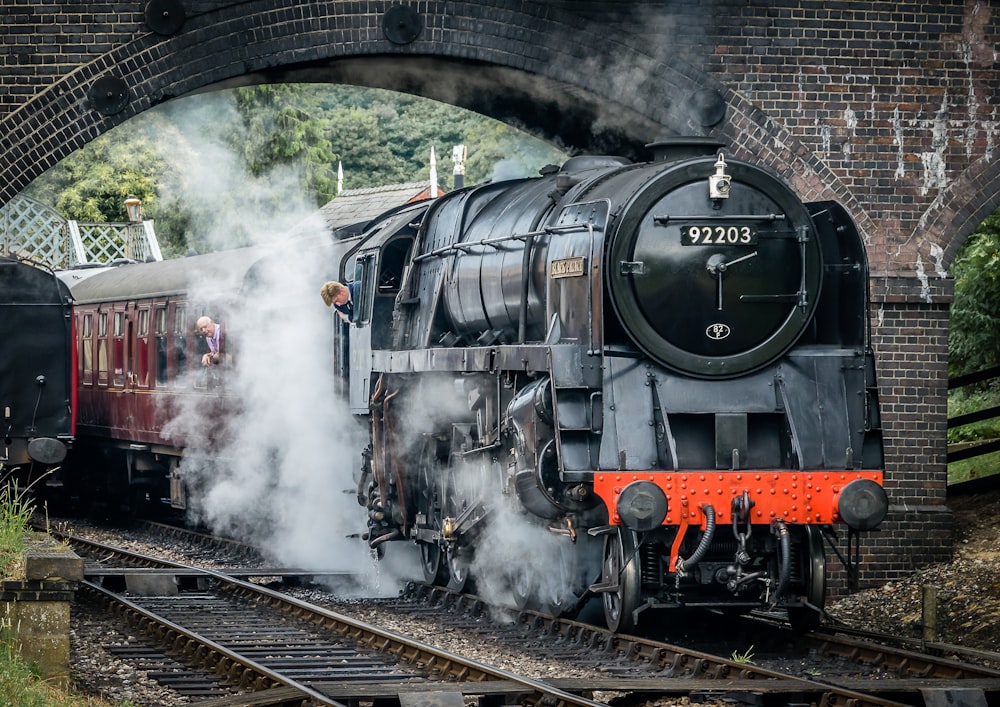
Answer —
(973, 449)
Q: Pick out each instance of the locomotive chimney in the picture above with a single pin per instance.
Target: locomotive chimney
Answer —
(684, 147)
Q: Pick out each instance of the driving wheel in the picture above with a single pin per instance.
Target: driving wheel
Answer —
(621, 568)
(428, 501)
(458, 556)
(808, 617)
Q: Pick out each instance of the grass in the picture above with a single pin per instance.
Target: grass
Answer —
(20, 683)
(15, 512)
(964, 401)
(975, 468)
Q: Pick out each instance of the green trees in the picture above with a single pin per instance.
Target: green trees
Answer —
(974, 342)
(92, 184)
(214, 170)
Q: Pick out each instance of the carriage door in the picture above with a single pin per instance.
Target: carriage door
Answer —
(129, 382)
(360, 335)
(141, 374)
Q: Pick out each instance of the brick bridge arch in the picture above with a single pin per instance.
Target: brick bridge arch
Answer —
(888, 108)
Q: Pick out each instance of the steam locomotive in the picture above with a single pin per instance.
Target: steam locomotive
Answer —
(666, 364)
(37, 384)
(649, 383)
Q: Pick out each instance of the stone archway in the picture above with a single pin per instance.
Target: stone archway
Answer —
(535, 69)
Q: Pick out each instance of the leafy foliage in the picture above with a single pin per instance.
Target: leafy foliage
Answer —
(91, 185)
(973, 342)
(962, 402)
(975, 312)
(212, 169)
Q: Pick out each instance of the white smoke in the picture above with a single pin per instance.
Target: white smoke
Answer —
(231, 207)
(553, 568)
(280, 469)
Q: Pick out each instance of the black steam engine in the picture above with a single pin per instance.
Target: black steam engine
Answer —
(37, 371)
(666, 365)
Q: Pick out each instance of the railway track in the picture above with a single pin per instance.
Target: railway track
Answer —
(628, 664)
(878, 670)
(974, 656)
(254, 638)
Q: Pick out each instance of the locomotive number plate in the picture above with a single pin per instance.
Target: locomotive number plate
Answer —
(721, 234)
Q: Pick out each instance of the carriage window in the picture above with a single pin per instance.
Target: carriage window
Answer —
(102, 348)
(160, 333)
(87, 348)
(118, 350)
(180, 340)
(142, 349)
(205, 377)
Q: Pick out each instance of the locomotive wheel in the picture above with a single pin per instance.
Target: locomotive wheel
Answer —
(622, 567)
(521, 589)
(458, 556)
(534, 596)
(458, 570)
(429, 504)
(527, 597)
(435, 571)
(807, 618)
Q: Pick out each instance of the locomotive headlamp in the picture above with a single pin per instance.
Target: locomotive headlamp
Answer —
(718, 183)
(862, 504)
(642, 505)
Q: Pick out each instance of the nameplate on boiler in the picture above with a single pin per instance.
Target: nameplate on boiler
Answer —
(568, 267)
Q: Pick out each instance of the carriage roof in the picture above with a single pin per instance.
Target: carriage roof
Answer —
(224, 270)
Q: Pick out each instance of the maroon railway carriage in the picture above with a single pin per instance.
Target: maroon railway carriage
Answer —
(139, 362)
(140, 365)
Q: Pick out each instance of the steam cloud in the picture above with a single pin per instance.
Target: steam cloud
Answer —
(281, 472)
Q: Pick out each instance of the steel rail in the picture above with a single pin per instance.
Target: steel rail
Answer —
(450, 665)
(217, 658)
(674, 661)
(886, 651)
(938, 647)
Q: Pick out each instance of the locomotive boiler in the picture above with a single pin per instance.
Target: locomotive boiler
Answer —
(664, 365)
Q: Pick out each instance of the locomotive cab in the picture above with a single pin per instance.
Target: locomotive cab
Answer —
(380, 265)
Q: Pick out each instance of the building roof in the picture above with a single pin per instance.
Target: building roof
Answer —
(358, 206)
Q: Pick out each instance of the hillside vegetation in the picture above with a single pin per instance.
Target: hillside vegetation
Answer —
(213, 170)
